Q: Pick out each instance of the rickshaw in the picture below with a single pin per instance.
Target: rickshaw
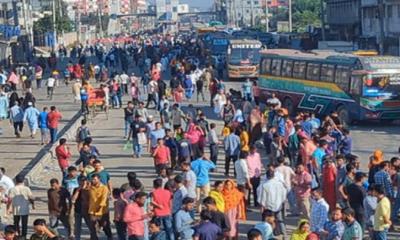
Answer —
(97, 103)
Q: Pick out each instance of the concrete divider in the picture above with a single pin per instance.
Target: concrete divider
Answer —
(45, 161)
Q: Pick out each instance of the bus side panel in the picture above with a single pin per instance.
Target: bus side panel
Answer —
(321, 99)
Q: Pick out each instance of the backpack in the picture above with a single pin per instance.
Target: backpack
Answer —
(82, 134)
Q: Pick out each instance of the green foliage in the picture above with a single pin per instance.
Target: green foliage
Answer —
(45, 24)
(306, 12)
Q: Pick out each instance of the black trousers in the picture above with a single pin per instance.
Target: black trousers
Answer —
(24, 224)
(18, 126)
(104, 222)
(255, 182)
(228, 160)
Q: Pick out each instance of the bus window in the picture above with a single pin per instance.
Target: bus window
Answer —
(276, 67)
(287, 67)
(299, 70)
(266, 66)
(327, 72)
(342, 77)
(355, 86)
(313, 70)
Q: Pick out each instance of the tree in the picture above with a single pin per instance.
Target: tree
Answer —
(45, 24)
(305, 13)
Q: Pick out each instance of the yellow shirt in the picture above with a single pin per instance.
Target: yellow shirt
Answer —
(98, 200)
(219, 200)
(244, 141)
(382, 209)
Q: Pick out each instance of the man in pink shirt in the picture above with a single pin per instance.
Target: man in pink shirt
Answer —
(302, 187)
(162, 202)
(134, 217)
(254, 166)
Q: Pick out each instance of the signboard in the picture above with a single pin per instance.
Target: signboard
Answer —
(381, 62)
(246, 46)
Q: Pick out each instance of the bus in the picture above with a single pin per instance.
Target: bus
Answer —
(243, 58)
(356, 87)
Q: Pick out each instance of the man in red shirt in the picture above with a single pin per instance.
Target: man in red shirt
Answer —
(53, 118)
(161, 155)
(162, 202)
(63, 154)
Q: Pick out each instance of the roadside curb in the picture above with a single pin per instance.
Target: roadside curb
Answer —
(45, 159)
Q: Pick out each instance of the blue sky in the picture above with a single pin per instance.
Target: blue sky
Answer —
(198, 3)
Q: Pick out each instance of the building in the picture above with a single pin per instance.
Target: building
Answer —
(344, 19)
(244, 13)
(381, 31)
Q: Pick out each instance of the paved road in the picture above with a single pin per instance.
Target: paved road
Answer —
(108, 134)
(18, 152)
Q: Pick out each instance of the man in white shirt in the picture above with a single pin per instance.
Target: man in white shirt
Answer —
(242, 174)
(50, 86)
(272, 196)
(5, 181)
(288, 174)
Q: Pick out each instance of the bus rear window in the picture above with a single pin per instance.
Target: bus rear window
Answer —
(287, 67)
(327, 72)
(313, 70)
(299, 70)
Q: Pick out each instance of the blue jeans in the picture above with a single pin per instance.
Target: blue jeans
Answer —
(115, 101)
(53, 135)
(127, 127)
(380, 235)
(137, 148)
(134, 237)
(167, 226)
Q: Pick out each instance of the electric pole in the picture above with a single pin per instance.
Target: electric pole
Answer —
(266, 16)
(381, 11)
(290, 16)
(322, 19)
(54, 25)
(100, 21)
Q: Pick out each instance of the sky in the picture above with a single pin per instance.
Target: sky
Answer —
(204, 4)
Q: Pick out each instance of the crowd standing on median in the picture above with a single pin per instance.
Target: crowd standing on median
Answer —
(280, 164)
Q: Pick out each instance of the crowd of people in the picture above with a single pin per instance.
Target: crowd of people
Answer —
(275, 162)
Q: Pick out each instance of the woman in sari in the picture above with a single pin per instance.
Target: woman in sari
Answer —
(235, 209)
(217, 195)
(301, 231)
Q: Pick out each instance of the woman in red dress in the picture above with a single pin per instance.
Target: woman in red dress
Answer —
(329, 179)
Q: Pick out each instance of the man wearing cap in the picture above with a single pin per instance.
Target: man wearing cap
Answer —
(31, 115)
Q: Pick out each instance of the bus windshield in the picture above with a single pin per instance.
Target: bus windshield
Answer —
(382, 86)
(244, 56)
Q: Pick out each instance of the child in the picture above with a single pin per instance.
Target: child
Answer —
(119, 208)
(334, 229)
